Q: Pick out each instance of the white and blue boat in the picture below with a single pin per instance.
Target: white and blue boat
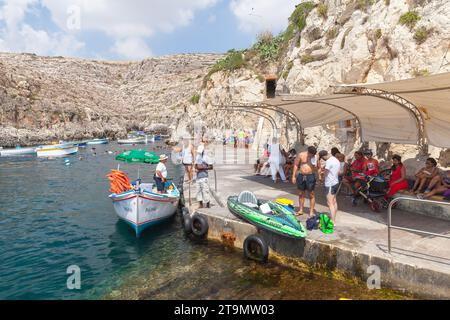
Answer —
(97, 141)
(143, 207)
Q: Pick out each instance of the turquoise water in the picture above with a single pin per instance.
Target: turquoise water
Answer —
(53, 216)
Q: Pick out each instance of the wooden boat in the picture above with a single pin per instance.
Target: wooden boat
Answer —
(144, 207)
(57, 150)
(17, 151)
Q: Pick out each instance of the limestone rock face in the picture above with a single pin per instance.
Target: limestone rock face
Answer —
(360, 44)
(44, 99)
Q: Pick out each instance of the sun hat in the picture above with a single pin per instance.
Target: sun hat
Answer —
(163, 157)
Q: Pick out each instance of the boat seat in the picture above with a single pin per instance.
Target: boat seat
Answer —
(248, 198)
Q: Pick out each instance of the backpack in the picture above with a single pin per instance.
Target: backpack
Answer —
(326, 224)
(313, 223)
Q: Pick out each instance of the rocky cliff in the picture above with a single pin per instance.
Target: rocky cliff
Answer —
(44, 99)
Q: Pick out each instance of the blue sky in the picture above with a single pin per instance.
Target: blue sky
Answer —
(136, 29)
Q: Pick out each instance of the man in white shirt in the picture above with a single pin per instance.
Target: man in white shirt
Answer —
(161, 173)
(331, 174)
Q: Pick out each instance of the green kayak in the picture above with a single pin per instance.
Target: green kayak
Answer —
(280, 220)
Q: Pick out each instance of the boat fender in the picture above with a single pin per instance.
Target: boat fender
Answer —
(185, 211)
(187, 221)
(256, 248)
(199, 226)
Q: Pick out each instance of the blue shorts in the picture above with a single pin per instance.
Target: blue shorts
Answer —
(160, 185)
(332, 190)
(306, 182)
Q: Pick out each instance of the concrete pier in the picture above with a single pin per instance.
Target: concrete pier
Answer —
(418, 264)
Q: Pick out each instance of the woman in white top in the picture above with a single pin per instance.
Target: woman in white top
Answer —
(188, 156)
(161, 173)
(276, 161)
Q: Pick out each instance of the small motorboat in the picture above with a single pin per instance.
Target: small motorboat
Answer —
(17, 151)
(97, 141)
(57, 150)
(267, 215)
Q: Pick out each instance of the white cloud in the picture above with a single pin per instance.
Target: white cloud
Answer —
(132, 48)
(129, 24)
(18, 36)
(262, 15)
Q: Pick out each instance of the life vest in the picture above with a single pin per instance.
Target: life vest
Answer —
(119, 182)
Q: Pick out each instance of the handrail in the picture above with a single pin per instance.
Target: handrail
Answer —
(390, 226)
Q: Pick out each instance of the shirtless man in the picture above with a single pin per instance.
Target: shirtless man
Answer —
(306, 180)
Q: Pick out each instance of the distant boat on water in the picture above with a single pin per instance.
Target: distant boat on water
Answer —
(97, 141)
(137, 139)
(17, 151)
(57, 150)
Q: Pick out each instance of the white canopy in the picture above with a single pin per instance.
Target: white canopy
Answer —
(381, 116)
(431, 94)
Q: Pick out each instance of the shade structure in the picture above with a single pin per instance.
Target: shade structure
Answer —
(431, 95)
(380, 120)
(412, 111)
(138, 156)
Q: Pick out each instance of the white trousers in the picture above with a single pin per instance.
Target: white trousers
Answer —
(203, 190)
(277, 168)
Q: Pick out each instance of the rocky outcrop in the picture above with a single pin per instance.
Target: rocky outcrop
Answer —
(44, 99)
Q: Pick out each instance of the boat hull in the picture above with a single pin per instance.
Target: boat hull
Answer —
(142, 209)
(56, 151)
(97, 142)
(17, 152)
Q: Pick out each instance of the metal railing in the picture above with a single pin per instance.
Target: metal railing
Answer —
(390, 226)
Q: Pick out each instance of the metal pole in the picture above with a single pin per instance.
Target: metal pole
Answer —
(215, 180)
(390, 226)
(390, 223)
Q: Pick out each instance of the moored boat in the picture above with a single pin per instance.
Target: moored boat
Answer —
(142, 207)
(57, 150)
(139, 204)
(17, 151)
(267, 215)
(136, 140)
(97, 141)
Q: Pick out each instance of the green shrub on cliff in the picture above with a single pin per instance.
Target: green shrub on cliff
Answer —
(195, 99)
(322, 10)
(409, 19)
(301, 12)
(233, 61)
(268, 46)
(421, 35)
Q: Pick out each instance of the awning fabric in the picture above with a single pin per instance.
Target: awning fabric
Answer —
(381, 119)
(431, 94)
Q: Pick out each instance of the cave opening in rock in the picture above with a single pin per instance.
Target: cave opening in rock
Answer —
(271, 85)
